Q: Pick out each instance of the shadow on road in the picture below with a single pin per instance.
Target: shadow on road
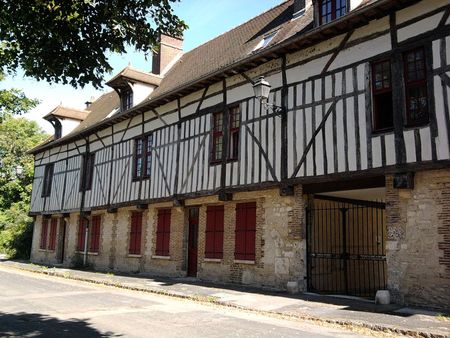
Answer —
(38, 325)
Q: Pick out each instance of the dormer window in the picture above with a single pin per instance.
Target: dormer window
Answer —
(126, 99)
(330, 10)
(265, 41)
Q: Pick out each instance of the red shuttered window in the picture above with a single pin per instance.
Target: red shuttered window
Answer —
(94, 244)
(245, 231)
(52, 238)
(214, 232)
(81, 234)
(44, 231)
(135, 233)
(163, 232)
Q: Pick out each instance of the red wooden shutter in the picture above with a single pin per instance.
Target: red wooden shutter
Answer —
(163, 232)
(245, 231)
(214, 232)
(81, 234)
(44, 230)
(95, 233)
(52, 238)
(135, 233)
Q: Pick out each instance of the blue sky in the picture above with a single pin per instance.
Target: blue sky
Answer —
(206, 20)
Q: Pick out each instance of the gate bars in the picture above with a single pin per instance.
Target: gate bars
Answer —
(346, 242)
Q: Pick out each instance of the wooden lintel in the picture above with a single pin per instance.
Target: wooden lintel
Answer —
(225, 196)
(142, 206)
(66, 214)
(111, 210)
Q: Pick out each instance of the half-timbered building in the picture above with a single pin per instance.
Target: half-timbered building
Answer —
(338, 182)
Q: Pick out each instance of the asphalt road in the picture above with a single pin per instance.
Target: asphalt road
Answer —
(34, 305)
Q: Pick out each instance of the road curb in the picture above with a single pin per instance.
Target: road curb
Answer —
(211, 300)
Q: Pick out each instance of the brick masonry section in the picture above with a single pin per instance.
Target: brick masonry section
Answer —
(418, 247)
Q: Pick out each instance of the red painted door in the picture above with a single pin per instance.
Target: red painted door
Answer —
(193, 242)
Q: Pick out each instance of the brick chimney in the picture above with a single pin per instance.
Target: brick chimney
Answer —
(170, 49)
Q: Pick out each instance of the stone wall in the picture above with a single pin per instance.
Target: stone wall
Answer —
(418, 246)
(280, 244)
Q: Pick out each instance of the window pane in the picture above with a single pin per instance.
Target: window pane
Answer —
(417, 104)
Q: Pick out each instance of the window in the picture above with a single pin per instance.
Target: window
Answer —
(235, 123)
(94, 244)
(382, 96)
(416, 87)
(331, 9)
(143, 157)
(245, 231)
(126, 99)
(265, 40)
(217, 138)
(218, 133)
(214, 232)
(52, 238)
(87, 171)
(135, 233)
(163, 232)
(44, 231)
(416, 92)
(82, 223)
(48, 178)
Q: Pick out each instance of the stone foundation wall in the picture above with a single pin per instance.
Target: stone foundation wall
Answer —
(280, 244)
(418, 246)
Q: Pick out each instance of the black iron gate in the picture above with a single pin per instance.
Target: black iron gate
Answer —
(346, 246)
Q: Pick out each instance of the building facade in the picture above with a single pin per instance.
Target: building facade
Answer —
(338, 182)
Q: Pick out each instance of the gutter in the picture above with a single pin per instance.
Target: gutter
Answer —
(156, 102)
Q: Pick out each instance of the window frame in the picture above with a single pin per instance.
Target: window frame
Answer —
(333, 11)
(126, 99)
(44, 234)
(401, 92)
(87, 171)
(375, 92)
(245, 231)
(52, 234)
(95, 233)
(48, 180)
(214, 231)
(424, 82)
(162, 247)
(233, 149)
(81, 235)
(145, 156)
(135, 239)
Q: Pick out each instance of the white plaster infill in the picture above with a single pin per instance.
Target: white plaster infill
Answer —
(161, 257)
(134, 256)
(212, 260)
(242, 261)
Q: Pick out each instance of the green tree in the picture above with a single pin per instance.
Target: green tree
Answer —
(14, 102)
(17, 136)
(67, 41)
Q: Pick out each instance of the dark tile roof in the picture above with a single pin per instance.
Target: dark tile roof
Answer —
(65, 112)
(130, 73)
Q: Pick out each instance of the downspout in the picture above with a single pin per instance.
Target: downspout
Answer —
(82, 212)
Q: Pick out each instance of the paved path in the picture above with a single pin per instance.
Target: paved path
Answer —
(346, 312)
(43, 306)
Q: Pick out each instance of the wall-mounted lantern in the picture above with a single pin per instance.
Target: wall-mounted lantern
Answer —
(261, 89)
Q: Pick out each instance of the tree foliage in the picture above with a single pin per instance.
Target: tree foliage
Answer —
(17, 136)
(67, 41)
(14, 102)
